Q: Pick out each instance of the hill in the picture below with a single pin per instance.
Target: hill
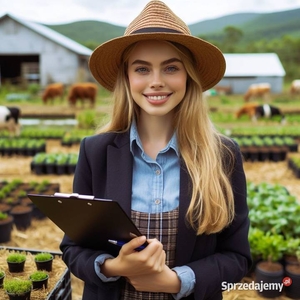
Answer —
(89, 31)
(255, 26)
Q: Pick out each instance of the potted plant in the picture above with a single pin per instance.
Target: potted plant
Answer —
(61, 163)
(2, 276)
(22, 216)
(43, 261)
(50, 163)
(39, 279)
(269, 270)
(6, 222)
(18, 289)
(16, 262)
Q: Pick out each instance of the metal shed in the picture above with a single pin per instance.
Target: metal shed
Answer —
(31, 52)
(244, 69)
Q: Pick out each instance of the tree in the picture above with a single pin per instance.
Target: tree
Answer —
(232, 36)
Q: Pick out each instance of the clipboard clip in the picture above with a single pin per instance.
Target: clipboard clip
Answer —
(74, 195)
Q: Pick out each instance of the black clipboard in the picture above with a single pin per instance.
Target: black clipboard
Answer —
(88, 221)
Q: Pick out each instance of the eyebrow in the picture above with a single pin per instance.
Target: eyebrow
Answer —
(168, 61)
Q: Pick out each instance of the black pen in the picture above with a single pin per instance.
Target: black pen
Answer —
(121, 243)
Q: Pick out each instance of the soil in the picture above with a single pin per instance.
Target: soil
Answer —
(45, 235)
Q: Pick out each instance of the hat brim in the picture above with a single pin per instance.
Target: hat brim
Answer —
(106, 58)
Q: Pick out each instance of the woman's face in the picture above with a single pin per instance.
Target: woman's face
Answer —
(157, 77)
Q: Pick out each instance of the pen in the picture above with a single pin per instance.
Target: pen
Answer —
(121, 243)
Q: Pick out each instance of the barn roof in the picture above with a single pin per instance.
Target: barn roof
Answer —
(253, 64)
(52, 35)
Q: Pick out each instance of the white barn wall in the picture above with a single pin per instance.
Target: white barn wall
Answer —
(240, 85)
(244, 69)
(56, 63)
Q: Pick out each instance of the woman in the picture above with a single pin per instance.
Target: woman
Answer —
(161, 158)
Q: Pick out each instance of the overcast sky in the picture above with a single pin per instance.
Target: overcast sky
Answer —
(121, 12)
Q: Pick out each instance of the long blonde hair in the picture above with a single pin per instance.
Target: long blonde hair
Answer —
(212, 204)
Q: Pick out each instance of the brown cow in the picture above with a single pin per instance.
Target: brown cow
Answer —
(52, 91)
(295, 87)
(83, 91)
(258, 90)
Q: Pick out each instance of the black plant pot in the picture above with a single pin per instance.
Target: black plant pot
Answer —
(38, 169)
(266, 275)
(2, 280)
(44, 265)
(293, 289)
(71, 169)
(22, 216)
(50, 169)
(61, 169)
(5, 229)
(40, 284)
(25, 296)
(16, 267)
(264, 154)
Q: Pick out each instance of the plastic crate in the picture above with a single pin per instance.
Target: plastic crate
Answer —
(62, 289)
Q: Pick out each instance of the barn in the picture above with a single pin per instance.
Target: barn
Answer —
(31, 52)
(244, 69)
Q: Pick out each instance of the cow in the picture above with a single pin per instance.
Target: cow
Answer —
(256, 111)
(9, 120)
(257, 90)
(83, 91)
(53, 91)
(295, 87)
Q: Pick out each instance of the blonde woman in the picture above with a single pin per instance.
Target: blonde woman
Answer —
(161, 158)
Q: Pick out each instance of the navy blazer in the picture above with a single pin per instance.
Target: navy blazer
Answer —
(104, 169)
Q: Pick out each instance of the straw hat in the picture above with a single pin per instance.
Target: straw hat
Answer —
(157, 22)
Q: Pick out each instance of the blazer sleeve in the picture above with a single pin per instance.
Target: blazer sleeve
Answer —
(231, 259)
(81, 260)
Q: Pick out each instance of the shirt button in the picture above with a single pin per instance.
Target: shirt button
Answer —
(157, 201)
(157, 172)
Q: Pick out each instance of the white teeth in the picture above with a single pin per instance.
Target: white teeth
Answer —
(156, 98)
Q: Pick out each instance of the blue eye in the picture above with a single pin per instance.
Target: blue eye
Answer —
(141, 70)
(171, 69)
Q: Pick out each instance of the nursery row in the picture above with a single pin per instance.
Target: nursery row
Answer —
(266, 148)
(21, 146)
(291, 131)
(274, 237)
(54, 163)
(54, 132)
(267, 141)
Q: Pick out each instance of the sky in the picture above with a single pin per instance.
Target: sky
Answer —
(122, 12)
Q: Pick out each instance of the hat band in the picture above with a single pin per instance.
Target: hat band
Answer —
(155, 29)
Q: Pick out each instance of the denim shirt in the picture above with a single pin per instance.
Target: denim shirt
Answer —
(160, 178)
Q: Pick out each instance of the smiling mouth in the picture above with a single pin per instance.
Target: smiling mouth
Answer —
(157, 97)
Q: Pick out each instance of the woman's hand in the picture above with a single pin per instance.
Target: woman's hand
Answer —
(130, 262)
(166, 281)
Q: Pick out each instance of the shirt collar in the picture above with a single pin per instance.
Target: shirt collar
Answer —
(134, 136)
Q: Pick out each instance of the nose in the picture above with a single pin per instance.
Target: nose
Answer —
(156, 80)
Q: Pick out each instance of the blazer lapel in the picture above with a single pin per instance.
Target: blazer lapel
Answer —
(119, 172)
(186, 236)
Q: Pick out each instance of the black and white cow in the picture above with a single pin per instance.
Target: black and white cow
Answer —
(268, 111)
(9, 120)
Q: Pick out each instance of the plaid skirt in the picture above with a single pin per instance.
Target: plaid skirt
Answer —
(164, 228)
